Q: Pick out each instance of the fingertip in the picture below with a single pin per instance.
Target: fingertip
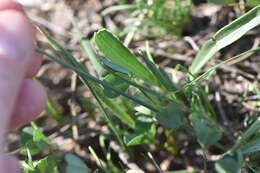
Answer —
(17, 37)
(31, 102)
(10, 4)
(9, 164)
(34, 65)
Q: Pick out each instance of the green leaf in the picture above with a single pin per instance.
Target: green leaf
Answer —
(116, 109)
(87, 77)
(98, 64)
(252, 130)
(75, 164)
(225, 37)
(144, 133)
(230, 163)
(118, 8)
(48, 164)
(253, 2)
(171, 116)
(34, 140)
(114, 50)
(183, 171)
(222, 1)
(53, 111)
(206, 131)
(159, 73)
(115, 82)
(252, 146)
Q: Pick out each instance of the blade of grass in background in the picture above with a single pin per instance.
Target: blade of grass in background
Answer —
(225, 37)
(118, 8)
(205, 75)
(52, 111)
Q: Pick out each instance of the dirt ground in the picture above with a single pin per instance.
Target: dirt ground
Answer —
(227, 86)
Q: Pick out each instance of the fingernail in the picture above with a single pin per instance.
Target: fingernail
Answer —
(16, 36)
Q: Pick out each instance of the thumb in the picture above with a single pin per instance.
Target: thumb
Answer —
(16, 47)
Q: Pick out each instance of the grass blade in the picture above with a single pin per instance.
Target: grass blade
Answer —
(92, 78)
(225, 37)
(118, 8)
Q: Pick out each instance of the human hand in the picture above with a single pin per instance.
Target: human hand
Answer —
(21, 99)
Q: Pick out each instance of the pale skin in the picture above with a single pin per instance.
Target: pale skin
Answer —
(21, 99)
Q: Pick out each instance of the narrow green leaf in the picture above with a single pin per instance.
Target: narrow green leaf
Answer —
(206, 131)
(118, 8)
(248, 133)
(87, 76)
(252, 146)
(52, 111)
(114, 50)
(230, 163)
(222, 1)
(115, 82)
(89, 50)
(183, 171)
(117, 110)
(225, 37)
(161, 76)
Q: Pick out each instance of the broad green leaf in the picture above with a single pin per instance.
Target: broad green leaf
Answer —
(114, 50)
(230, 163)
(206, 131)
(252, 146)
(75, 164)
(171, 116)
(100, 68)
(144, 133)
(225, 37)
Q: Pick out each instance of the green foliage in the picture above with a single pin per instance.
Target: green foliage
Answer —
(226, 36)
(171, 116)
(137, 99)
(222, 1)
(34, 140)
(207, 132)
(230, 163)
(53, 111)
(74, 164)
(115, 51)
(145, 132)
(156, 16)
